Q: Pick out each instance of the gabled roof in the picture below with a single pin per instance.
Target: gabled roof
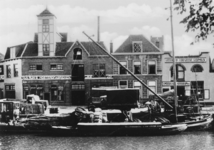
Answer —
(62, 48)
(19, 50)
(93, 49)
(126, 47)
(46, 12)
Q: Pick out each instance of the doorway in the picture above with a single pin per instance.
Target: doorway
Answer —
(78, 98)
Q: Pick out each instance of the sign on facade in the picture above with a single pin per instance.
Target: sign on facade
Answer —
(187, 60)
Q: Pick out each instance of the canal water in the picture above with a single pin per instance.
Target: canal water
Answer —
(200, 140)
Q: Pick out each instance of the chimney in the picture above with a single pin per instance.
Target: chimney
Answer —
(98, 29)
(111, 47)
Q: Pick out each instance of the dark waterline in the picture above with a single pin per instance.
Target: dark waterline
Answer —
(201, 140)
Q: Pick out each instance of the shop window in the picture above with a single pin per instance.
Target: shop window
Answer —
(197, 88)
(56, 66)
(8, 70)
(16, 72)
(151, 67)
(152, 86)
(137, 46)
(197, 68)
(77, 54)
(57, 93)
(180, 73)
(121, 69)
(46, 49)
(123, 84)
(99, 70)
(35, 67)
(137, 67)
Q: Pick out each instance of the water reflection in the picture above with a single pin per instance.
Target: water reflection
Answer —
(185, 141)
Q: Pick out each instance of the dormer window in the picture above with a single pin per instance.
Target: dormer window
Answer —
(77, 54)
(137, 46)
(157, 43)
(12, 52)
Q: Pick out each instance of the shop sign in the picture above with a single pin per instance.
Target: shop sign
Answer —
(187, 60)
(46, 77)
(168, 83)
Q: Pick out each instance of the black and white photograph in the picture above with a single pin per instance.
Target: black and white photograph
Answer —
(106, 74)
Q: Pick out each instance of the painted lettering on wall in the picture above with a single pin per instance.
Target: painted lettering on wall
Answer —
(187, 60)
(46, 77)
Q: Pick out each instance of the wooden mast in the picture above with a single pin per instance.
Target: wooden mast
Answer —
(128, 71)
(174, 63)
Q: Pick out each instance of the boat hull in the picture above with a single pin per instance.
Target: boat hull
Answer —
(120, 129)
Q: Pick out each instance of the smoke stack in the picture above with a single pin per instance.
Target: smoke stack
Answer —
(98, 29)
(111, 47)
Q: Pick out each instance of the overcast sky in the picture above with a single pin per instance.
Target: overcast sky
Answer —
(118, 19)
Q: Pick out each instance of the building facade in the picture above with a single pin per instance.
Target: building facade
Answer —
(194, 76)
(56, 70)
(144, 58)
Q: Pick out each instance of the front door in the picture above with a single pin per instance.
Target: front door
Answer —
(78, 98)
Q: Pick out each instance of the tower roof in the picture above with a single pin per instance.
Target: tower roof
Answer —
(46, 12)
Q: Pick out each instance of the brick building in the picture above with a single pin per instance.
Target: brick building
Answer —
(194, 75)
(59, 71)
(144, 59)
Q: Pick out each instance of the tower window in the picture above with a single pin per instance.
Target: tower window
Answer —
(157, 43)
(45, 28)
(46, 49)
(45, 21)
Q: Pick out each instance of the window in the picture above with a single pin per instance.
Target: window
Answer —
(77, 72)
(8, 69)
(137, 67)
(1, 70)
(123, 84)
(99, 70)
(13, 52)
(45, 21)
(180, 70)
(77, 54)
(57, 93)
(137, 46)
(36, 67)
(45, 28)
(197, 68)
(197, 88)
(151, 67)
(56, 67)
(138, 85)
(121, 69)
(46, 49)
(16, 72)
(152, 86)
(157, 43)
